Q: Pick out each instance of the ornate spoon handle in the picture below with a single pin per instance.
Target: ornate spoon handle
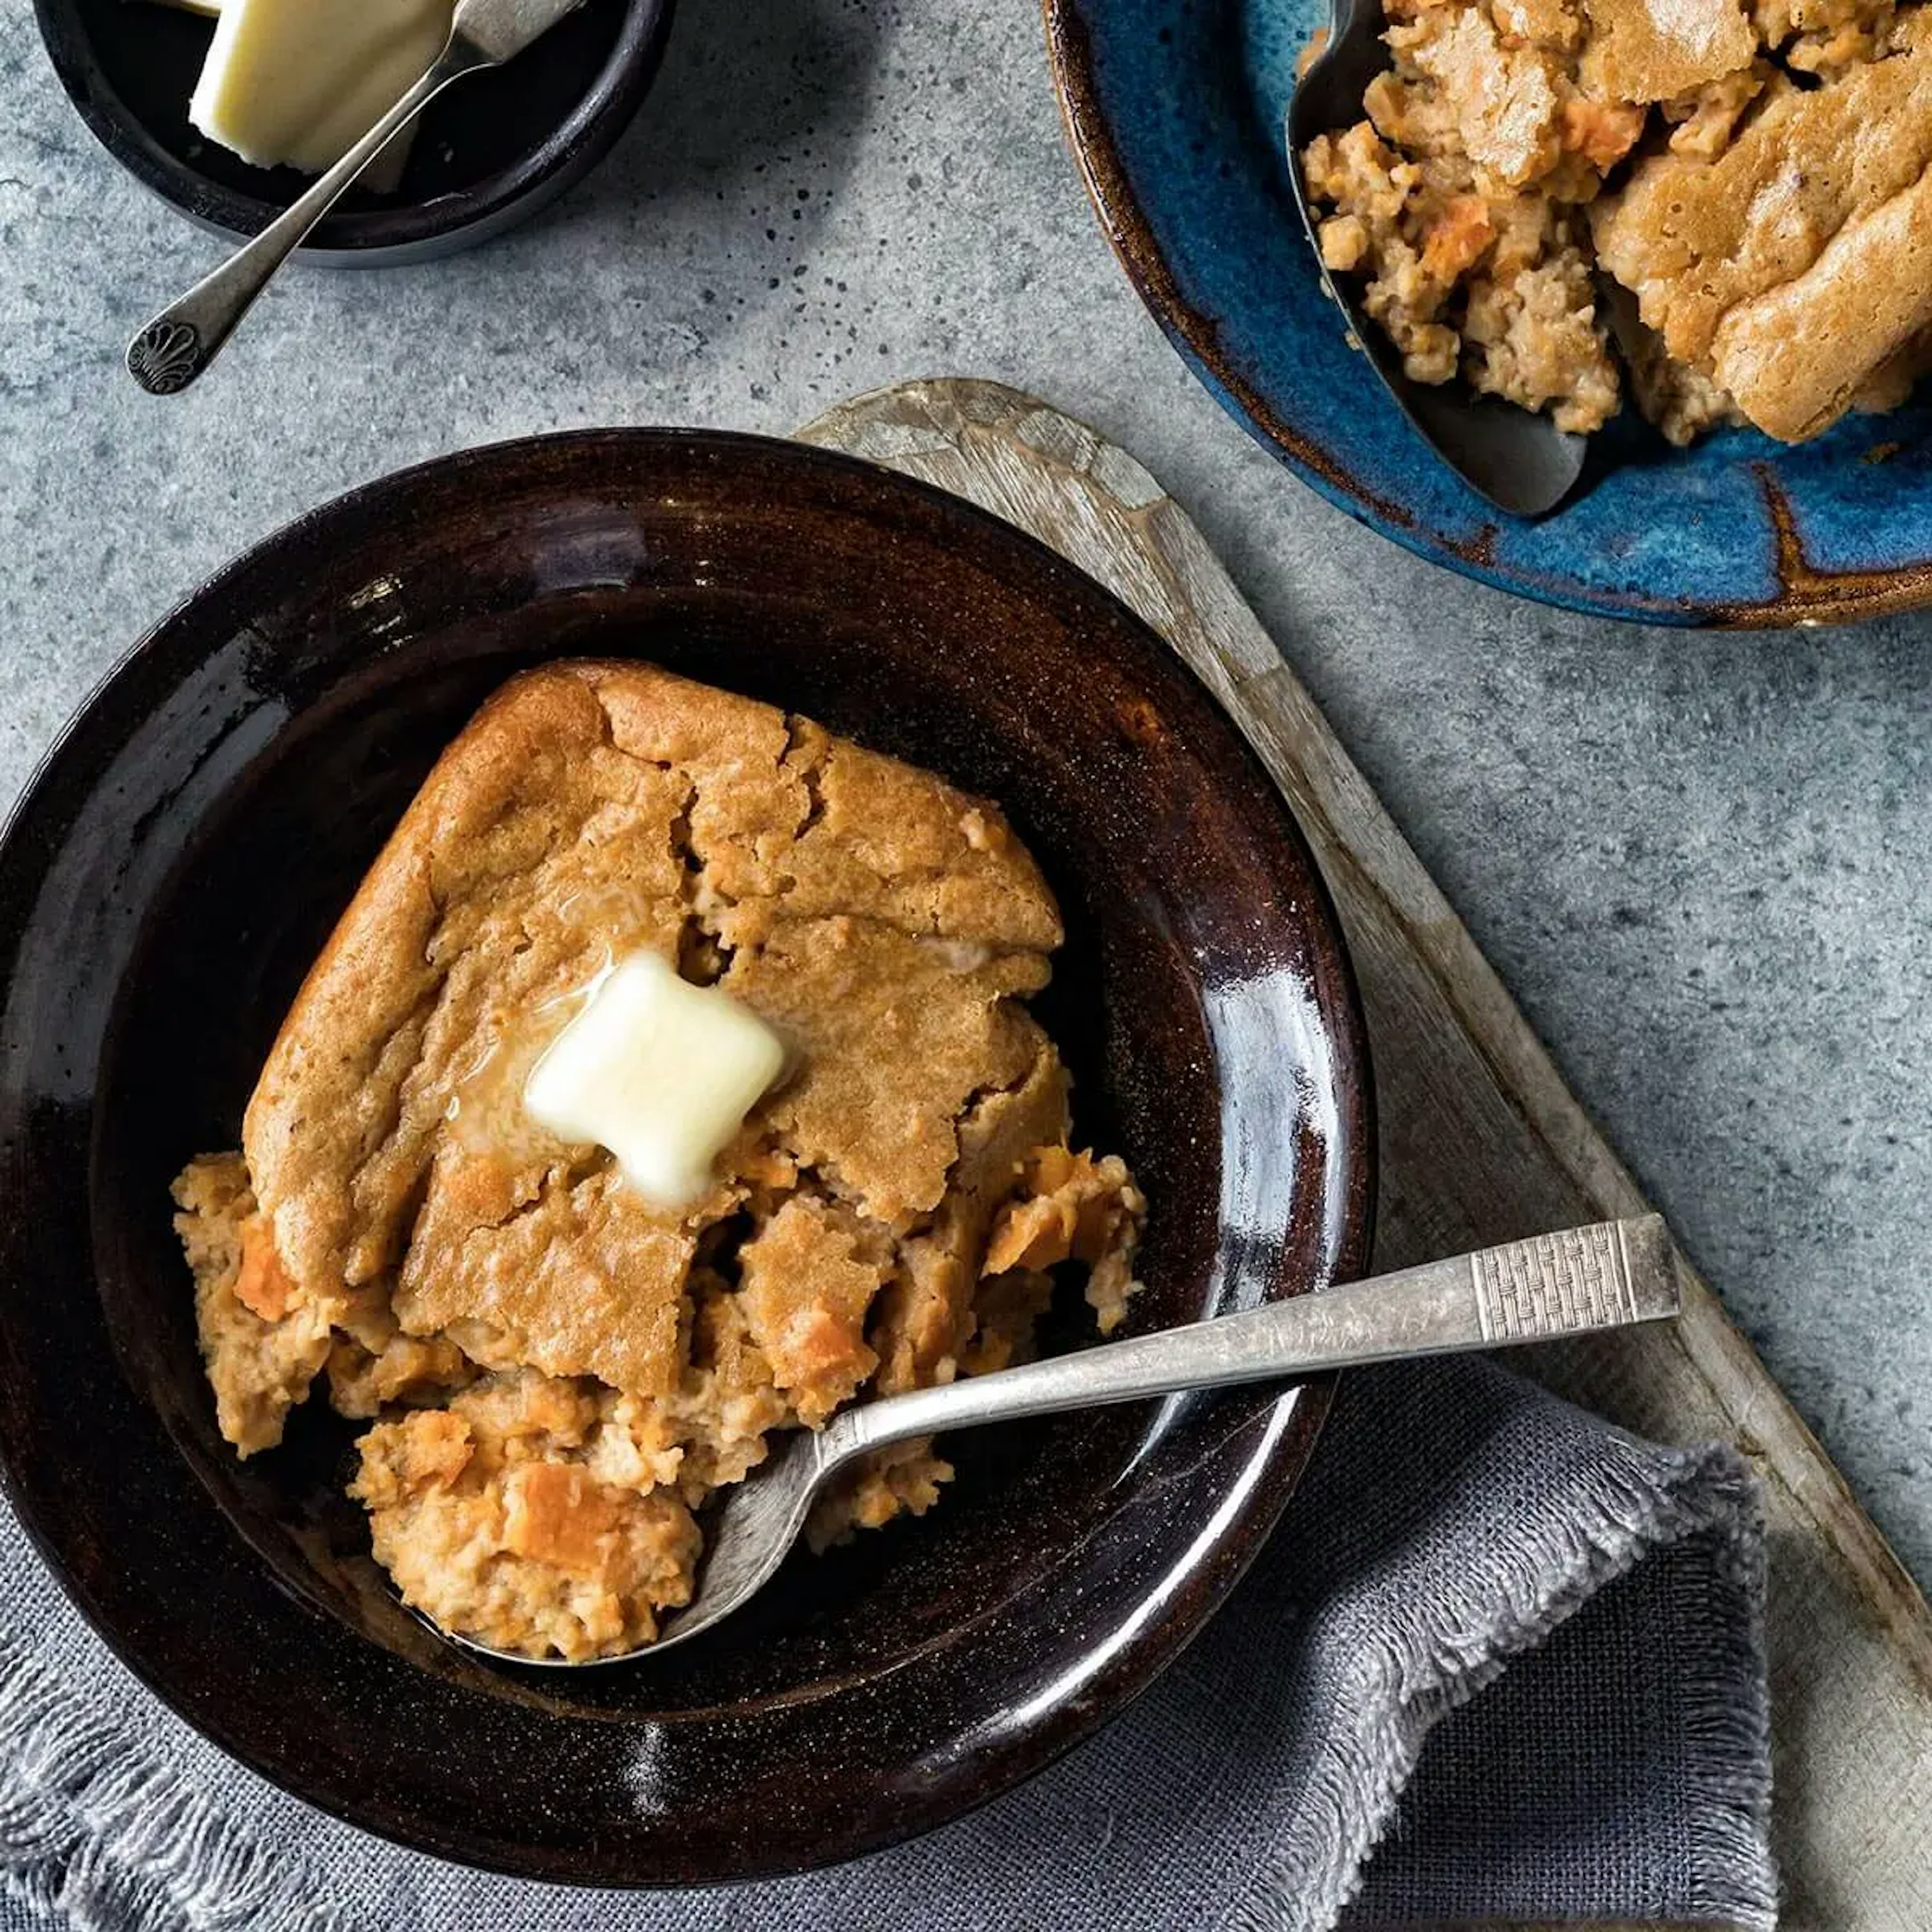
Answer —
(173, 349)
(1606, 1276)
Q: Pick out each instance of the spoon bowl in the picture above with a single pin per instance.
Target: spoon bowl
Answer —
(1516, 457)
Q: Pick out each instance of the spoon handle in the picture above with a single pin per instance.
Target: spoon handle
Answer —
(178, 344)
(1609, 1275)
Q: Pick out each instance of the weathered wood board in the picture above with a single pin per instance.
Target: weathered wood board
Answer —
(1481, 1142)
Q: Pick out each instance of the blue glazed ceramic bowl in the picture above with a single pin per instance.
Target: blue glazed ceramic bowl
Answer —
(1175, 109)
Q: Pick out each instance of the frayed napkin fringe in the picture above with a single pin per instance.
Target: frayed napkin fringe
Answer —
(102, 1830)
(1417, 1676)
(1736, 1828)
(93, 1829)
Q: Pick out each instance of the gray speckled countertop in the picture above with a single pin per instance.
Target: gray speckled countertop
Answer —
(1701, 862)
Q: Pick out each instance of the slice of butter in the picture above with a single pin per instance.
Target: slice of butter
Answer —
(659, 1071)
(300, 82)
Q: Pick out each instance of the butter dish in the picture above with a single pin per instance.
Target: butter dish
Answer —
(490, 155)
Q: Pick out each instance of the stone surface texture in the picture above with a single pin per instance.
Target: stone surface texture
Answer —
(1701, 862)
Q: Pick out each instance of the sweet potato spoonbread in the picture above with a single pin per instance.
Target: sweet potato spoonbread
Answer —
(561, 1352)
(1735, 194)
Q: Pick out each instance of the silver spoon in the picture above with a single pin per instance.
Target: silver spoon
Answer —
(172, 349)
(1606, 1275)
(1516, 457)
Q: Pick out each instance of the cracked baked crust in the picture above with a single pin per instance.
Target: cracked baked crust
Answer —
(1797, 263)
(439, 1248)
(589, 812)
(1758, 175)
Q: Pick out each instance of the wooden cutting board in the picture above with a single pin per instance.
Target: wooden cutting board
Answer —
(1482, 1142)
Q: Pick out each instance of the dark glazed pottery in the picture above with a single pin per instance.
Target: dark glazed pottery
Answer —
(1175, 109)
(493, 150)
(174, 867)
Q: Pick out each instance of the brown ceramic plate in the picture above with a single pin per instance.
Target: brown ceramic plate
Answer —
(181, 857)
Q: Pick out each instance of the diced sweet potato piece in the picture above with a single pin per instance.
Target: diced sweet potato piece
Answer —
(1458, 237)
(1601, 132)
(263, 1286)
(557, 1512)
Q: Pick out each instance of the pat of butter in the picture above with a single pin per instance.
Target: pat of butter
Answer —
(300, 82)
(661, 1071)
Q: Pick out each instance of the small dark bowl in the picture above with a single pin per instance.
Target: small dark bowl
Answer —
(492, 151)
(181, 856)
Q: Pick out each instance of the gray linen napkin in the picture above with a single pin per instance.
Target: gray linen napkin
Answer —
(1323, 1742)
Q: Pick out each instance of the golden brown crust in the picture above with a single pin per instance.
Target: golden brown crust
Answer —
(1640, 51)
(1798, 261)
(896, 1034)
(589, 811)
